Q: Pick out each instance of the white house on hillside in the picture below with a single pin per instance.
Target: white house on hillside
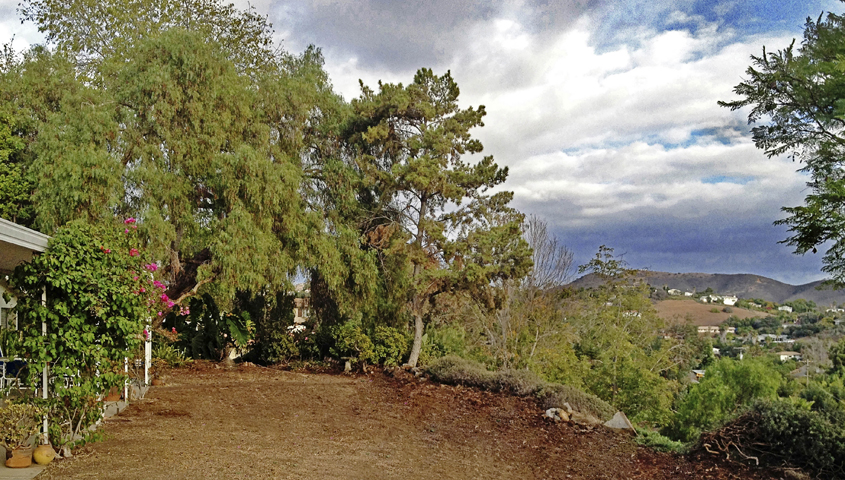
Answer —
(729, 299)
(785, 308)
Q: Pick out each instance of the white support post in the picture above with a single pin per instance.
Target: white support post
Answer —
(126, 381)
(45, 436)
(148, 355)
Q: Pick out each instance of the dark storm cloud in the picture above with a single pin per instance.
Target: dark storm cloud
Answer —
(711, 244)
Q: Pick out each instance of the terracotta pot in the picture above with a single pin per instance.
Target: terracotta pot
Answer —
(21, 457)
(157, 381)
(43, 454)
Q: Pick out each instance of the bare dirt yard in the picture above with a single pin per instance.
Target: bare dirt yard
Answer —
(700, 313)
(251, 422)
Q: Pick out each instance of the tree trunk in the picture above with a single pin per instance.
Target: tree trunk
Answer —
(418, 334)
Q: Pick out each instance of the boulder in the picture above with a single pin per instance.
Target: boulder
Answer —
(557, 414)
(619, 422)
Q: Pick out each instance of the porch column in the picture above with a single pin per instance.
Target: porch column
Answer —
(45, 436)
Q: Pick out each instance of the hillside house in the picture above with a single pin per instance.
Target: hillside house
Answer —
(730, 329)
(785, 308)
(755, 305)
(774, 338)
(729, 300)
(673, 291)
(688, 294)
(789, 355)
(708, 329)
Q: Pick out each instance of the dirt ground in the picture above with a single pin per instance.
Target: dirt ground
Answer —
(251, 422)
(699, 313)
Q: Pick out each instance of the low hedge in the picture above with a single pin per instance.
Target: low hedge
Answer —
(455, 370)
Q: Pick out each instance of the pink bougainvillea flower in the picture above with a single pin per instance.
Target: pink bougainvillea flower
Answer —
(151, 267)
(125, 230)
(129, 220)
(164, 297)
(108, 250)
(159, 284)
(174, 329)
(143, 289)
(170, 304)
(135, 278)
(159, 314)
(133, 252)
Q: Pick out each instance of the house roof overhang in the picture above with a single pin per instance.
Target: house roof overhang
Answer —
(18, 244)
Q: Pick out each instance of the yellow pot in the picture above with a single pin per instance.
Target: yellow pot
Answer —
(43, 454)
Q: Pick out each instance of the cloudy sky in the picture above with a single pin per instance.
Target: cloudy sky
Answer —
(604, 111)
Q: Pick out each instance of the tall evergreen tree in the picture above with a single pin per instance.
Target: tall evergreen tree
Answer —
(409, 143)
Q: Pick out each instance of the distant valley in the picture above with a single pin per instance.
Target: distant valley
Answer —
(742, 285)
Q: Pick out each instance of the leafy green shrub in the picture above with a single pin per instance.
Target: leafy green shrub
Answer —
(208, 333)
(351, 341)
(519, 382)
(100, 291)
(455, 370)
(786, 431)
(728, 387)
(660, 443)
(170, 355)
(438, 342)
(714, 310)
(555, 395)
(390, 345)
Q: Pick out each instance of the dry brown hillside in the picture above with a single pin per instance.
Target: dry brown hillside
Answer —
(699, 313)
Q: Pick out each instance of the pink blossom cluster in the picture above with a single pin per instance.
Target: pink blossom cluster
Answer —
(151, 267)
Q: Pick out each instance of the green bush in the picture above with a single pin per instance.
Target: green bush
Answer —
(390, 345)
(171, 355)
(660, 443)
(787, 432)
(350, 340)
(454, 370)
(442, 341)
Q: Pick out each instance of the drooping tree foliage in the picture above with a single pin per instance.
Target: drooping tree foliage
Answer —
(795, 95)
(91, 31)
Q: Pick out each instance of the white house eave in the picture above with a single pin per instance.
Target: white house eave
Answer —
(17, 235)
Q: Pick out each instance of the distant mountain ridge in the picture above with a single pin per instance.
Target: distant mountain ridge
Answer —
(743, 285)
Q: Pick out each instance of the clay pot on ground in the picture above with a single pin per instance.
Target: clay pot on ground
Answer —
(21, 457)
(157, 381)
(44, 454)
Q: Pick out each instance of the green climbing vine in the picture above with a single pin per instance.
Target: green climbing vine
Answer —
(100, 289)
